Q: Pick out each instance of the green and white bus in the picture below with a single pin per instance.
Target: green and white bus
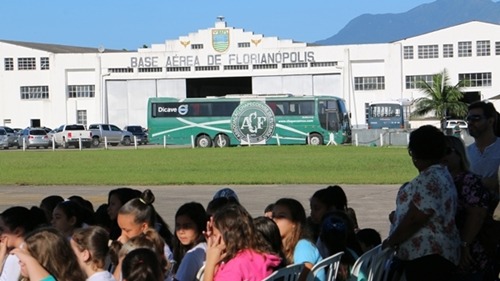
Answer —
(248, 120)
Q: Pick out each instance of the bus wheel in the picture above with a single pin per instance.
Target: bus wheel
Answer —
(221, 140)
(315, 139)
(203, 141)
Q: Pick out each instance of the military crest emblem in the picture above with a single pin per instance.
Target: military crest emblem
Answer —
(220, 39)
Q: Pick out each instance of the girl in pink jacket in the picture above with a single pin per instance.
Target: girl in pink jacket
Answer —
(234, 250)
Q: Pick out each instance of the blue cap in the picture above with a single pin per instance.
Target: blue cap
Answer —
(226, 192)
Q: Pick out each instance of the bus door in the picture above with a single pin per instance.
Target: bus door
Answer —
(328, 115)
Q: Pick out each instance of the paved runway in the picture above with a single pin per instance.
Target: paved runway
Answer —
(372, 203)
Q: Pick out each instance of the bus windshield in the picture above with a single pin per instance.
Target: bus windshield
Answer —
(385, 110)
(388, 115)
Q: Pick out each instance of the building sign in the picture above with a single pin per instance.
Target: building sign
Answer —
(224, 59)
(253, 122)
(220, 39)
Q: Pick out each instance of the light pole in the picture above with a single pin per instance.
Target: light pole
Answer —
(101, 76)
(104, 99)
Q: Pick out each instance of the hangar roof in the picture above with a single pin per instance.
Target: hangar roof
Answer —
(58, 49)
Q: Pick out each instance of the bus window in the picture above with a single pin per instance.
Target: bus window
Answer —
(223, 108)
(306, 108)
(194, 109)
(276, 109)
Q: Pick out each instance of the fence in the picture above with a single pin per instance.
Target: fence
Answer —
(392, 137)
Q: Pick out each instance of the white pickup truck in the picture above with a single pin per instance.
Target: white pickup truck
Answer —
(72, 135)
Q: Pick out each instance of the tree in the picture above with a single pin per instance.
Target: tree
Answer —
(441, 98)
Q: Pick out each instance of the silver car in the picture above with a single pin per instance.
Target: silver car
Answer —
(33, 137)
(8, 137)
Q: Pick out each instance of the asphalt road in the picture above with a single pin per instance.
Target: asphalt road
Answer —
(372, 203)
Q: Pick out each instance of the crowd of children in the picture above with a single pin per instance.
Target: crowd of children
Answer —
(66, 239)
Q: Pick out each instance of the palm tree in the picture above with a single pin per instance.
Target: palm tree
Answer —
(441, 98)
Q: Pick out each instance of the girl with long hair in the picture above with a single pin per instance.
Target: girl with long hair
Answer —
(332, 198)
(234, 252)
(137, 216)
(189, 242)
(15, 223)
(67, 216)
(91, 248)
(47, 255)
(474, 218)
(290, 216)
(116, 199)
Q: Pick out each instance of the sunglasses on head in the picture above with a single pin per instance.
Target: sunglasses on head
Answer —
(474, 118)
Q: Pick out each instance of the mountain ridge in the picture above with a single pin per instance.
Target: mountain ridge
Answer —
(422, 19)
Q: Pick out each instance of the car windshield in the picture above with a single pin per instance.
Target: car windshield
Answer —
(134, 129)
(2, 133)
(75, 128)
(38, 132)
(9, 130)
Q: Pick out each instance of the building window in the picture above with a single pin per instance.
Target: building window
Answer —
(428, 51)
(265, 66)
(34, 92)
(44, 63)
(178, 69)
(483, 48)
(412, 81)
(408, 52)
(369, 83)
(196, 46)
(497, 48)
(235, 67)
(121, 70)
(447, 50)
(81, 91)
(465, 49)
(244, 45)
(476, 79)
(81, 117)
(324, 64)
(150, 69)
(206, 68)
(295, 65)
(8, 64)
(26, 63)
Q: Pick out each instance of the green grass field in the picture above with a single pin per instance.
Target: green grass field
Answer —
(235, 165)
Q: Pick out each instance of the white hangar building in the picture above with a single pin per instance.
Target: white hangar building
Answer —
(49, 85)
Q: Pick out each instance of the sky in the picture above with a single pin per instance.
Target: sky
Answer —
(129, 25)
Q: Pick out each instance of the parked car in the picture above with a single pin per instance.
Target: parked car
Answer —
(111, 133)
(138, 132)
(33, 137)
(8, 137)
(51, 137)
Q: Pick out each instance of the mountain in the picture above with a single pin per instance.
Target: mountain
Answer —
(383, 28)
